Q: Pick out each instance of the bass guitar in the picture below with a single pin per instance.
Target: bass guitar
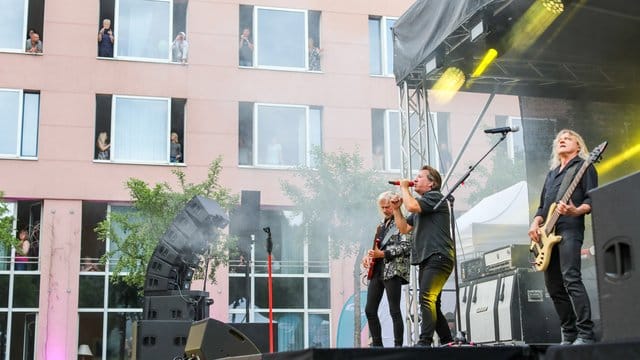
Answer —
(541, 250)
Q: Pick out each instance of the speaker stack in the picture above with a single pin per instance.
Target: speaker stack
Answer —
(617, 248)
(170, 307)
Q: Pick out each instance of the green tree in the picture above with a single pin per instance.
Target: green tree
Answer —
(338, 203)
(136, 233)
(7, 237)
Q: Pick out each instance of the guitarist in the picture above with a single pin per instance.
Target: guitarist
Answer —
(390, 261)
(563, 277)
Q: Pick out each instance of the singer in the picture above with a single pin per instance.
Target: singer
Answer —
(390, 262)
(431, 249)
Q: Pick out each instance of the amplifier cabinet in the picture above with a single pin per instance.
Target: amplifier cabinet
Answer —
(524, 309)
(482, 325)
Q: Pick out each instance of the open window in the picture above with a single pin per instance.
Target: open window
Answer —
(139, 129)
(381, 45)
(17, 19)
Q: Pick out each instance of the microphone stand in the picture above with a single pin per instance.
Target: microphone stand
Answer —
(270, 286)
(460, 337)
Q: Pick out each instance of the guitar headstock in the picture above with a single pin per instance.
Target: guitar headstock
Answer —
(596, 153)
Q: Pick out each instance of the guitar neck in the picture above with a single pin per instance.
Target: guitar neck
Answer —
(553, 219)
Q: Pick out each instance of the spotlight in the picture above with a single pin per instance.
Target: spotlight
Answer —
(487, 59)
(555, 6)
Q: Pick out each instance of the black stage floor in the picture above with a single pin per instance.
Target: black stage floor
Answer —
(605, 351)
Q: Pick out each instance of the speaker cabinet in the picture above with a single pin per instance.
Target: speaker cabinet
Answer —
(184, 305)
(211, 339)
(616, 240)
(259, 334)
(525, 311)
(158, 339)
(482, 326)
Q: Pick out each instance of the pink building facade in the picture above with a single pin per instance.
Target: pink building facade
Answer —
(56, 104)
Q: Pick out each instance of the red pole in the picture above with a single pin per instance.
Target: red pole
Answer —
(270, 285)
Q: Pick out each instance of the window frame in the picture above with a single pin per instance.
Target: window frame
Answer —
(116, 35)
(21, 126)
(25, 19)
(511, 141)
(384, 42)
(256, 39)
(308, 140)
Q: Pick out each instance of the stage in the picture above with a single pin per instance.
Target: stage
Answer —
(609, 350)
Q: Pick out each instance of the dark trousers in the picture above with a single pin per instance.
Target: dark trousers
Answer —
(563, 279)
(376, 287)
(434, 272)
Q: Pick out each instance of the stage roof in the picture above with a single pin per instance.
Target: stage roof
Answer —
(591, 51)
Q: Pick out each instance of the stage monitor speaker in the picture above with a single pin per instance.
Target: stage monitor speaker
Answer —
(157, 339)
(616, 238)
(259, 334)
(211, 339)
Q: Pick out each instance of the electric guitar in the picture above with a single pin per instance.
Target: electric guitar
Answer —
(376, 244)
(542, 249)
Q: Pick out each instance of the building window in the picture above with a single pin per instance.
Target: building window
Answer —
(279, 38)
(20, 285)
(515, 140)
(143, 29)
(18, 18)
(139, 129)
(301, 283)
(381, 45)
(278, 135)
(107, 309)
(386, 141)
(19, 118)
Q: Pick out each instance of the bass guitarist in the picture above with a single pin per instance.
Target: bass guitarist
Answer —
(563, 276)
(388, 264)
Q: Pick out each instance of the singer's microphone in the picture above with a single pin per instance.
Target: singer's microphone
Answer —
(501, 130)
(411, 183)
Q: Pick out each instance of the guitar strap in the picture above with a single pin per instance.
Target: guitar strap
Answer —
(387, 233)
(566, 180)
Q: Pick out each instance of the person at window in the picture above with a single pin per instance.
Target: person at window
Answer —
(175, 154)
(246, 48)
(31, 31)
(563, 276)
(274, 152)
(314, 56)
(103, 146)
(180, 48)
(388, 264)
(431, 249)
(33, 45)
(22, 250)
(105, 39)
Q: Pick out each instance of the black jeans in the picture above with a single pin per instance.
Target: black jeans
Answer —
(434, 272)
(376, 287)
(563, 279)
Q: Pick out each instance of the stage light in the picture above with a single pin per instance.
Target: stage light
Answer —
(448, 84)
(487, 59)
(614, 161)
(477, 30)
(555, 6)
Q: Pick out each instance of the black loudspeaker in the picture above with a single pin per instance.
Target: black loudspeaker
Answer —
(259, 334)
(207, 211)
(211, 339)
(616, 238)
(183, 305)
(245, 220)
(157, 339)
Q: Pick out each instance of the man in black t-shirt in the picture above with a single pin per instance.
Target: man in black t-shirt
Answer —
(431, 248)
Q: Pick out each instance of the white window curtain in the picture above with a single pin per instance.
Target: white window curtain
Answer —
(143, 29)
(281, 38)
(140, 129)
(12, 24)
(10, 106)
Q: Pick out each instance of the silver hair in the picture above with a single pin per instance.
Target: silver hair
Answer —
(583, 152)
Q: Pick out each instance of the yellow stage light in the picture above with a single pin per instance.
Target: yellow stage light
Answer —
(448, 84)
(533, 23)
(610, 163)
(487, 59)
